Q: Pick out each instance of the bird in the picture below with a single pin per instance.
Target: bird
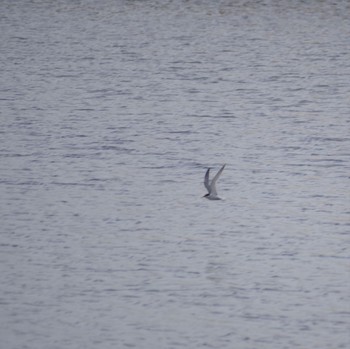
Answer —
(211, 185)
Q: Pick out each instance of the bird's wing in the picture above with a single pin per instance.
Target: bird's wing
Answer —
(213, 182)
(206, 180)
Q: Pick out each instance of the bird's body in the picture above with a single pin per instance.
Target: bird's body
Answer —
(211, 185)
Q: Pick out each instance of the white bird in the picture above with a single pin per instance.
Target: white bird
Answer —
(211, 185)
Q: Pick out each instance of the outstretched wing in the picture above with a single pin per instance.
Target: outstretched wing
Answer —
(206, 180)
(213, 182)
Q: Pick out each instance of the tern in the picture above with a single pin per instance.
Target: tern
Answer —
(211, 185)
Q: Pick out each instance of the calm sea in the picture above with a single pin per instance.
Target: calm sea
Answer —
(111, 112)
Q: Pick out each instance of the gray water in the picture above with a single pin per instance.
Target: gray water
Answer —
(111, 111)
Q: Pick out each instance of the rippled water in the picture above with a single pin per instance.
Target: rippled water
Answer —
(111, 111)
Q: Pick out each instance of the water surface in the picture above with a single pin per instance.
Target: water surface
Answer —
(111, 113)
